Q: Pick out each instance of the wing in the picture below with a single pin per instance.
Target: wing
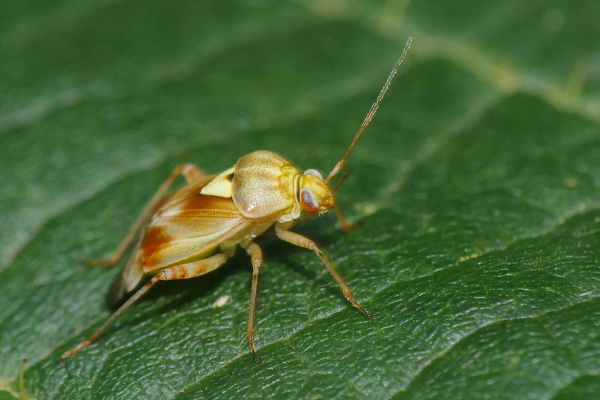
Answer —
(188, 225)
(185, 225)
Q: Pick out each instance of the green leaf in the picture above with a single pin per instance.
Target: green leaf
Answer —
(4, 395)
(477, 189)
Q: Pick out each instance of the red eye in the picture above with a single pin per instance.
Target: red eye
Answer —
(308, 201)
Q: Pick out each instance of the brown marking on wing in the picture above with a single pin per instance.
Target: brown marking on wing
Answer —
(155, 238)
(189, 226)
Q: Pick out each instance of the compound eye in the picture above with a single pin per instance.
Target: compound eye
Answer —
(308, 201)
(313, 172)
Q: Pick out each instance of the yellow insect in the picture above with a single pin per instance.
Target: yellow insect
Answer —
(216, 213)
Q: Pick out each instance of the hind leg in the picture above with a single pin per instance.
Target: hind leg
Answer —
(183, 271)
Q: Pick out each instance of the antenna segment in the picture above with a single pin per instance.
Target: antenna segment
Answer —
(371, 112)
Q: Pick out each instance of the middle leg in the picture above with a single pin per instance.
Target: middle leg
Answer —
(257, 259)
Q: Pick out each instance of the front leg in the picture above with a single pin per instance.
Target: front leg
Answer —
(344, 225)
(301, 241)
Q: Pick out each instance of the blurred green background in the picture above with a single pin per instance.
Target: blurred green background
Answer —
(477, 188)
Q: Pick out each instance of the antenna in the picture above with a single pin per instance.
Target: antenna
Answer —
(371, 112)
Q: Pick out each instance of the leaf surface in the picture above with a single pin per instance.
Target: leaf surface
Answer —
(476, 187)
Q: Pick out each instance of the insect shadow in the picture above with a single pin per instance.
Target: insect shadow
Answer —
(176, 295)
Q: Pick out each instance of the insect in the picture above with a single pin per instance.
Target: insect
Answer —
(195, 229)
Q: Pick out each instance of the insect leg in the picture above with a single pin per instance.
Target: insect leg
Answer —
(301, 241)
(183, 271)
(257, 258)
(189, 171)
(346, 227)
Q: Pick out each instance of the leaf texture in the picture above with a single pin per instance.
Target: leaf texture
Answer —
(477, 189)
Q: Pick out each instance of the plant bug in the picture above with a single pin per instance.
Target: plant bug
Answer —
(195, 229)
